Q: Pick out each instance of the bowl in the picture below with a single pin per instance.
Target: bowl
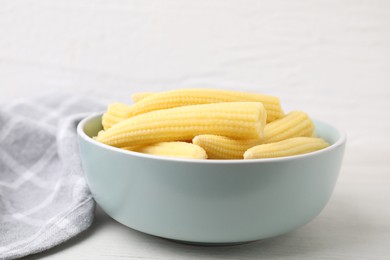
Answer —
(210, 201)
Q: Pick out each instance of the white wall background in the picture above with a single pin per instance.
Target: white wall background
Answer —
(330, 58)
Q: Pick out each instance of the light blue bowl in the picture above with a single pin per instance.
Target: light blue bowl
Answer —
(210, 201)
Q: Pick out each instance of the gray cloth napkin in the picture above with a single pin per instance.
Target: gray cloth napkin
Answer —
(44, 199)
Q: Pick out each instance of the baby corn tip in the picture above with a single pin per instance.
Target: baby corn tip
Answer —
(248, 155)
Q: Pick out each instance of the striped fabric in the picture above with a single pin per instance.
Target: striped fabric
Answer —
(44, 199)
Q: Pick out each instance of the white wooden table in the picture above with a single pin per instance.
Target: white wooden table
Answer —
(329, 58)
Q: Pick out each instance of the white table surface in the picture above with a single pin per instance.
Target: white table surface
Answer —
(328, 58)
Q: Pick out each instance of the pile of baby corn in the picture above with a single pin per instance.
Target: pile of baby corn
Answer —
(208, 124)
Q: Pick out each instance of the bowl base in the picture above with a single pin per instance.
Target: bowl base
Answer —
(210, 244)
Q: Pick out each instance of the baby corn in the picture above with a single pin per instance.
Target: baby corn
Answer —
(116, 112)
(172, 149)
(241, 120)
(288, 147)
(222, 147)
(294, 124)
(185, 97)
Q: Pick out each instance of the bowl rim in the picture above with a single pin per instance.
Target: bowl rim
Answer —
(80, 132)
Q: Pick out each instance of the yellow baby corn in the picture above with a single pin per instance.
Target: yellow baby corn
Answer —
(294, 124)
(115, 113)
(172, 149)
(184, 97)
(140, 95)
(241, 120)
(222, 147)
(288, 147)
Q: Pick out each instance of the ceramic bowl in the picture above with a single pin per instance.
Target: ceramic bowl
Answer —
(210, 201)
